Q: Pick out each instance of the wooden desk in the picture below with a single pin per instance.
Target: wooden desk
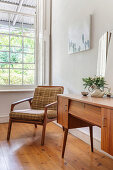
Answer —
(76, 111)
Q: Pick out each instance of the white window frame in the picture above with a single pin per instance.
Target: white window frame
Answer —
(22, 87)
(45, 38)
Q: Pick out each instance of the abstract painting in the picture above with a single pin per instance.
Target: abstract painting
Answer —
(79, 36)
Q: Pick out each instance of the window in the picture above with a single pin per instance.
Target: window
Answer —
(17, 49)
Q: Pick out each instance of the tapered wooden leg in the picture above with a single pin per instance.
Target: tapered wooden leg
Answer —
(64, 142)
(9, 130)
(43, 134)
(34, 134)
(35, 125)
(91, 137)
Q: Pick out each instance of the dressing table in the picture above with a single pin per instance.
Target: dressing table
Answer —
(76, 111)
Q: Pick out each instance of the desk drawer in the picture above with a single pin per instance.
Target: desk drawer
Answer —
(86, 112)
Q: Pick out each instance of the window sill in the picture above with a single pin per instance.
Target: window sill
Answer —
(16, 90)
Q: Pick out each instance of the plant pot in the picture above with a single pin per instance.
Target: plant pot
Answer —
(97, 93)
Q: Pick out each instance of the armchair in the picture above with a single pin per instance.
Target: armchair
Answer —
(43, 109)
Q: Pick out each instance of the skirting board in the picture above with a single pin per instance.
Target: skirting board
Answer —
(84, 137)
(4, 119)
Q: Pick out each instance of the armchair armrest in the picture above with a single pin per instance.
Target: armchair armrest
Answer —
(51, 104)
(21, 101)
(46, 107)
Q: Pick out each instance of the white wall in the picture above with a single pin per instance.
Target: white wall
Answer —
(6, 98)
(68, 70)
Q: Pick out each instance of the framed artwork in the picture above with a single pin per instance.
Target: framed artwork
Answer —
(79, 36)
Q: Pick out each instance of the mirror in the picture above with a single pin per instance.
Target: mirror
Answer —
(102, 55)
(105, 58)
(109, 64)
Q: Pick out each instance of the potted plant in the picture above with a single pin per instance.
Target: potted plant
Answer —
(95, 85)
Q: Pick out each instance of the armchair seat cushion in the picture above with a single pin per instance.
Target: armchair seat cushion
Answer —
(32, 114)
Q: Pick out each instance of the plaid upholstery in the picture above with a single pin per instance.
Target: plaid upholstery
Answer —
(44, 96)
(33, 115)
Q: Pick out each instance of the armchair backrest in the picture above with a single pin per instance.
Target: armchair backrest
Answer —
(44, 95)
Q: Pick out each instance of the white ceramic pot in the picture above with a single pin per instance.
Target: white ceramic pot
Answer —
(97, 93)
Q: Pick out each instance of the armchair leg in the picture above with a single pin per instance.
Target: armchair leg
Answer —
(34, 134)
(9, 129)
(91, 137)
(43, 134)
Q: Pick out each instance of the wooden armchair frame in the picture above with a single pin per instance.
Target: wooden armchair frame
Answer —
(43, 123)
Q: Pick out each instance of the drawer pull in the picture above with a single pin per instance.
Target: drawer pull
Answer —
(104, 122)
(65, 108)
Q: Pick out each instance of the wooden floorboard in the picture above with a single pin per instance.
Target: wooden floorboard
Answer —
(24, 151)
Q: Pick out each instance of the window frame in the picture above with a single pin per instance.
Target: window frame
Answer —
(22, 86)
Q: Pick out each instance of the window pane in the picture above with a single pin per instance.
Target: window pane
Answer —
(16, 66)
(29, 29)
(16, 29)
(16, 41)
(16, 26)
(4, 20)
(4, 39)
(28, 43)
(4, 65)
(28, 32)
(4, 56)
(4, 29)
(4, 76)
(15, 77)
(28, 58)
(16, 57)
(29, 50)
(16, 49)
(29, 66)
(4, 48)
(28, 77)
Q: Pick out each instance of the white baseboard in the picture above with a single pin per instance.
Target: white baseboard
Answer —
(4, 118)
(84, 137)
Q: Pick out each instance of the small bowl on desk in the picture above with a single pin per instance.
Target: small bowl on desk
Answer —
(109, 95)
(84, 93)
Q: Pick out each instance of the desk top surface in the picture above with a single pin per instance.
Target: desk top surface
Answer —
(105, 102)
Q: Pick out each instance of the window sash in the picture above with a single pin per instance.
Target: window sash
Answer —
(23, 53)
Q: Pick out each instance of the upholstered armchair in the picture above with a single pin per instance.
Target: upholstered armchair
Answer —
(43, 109)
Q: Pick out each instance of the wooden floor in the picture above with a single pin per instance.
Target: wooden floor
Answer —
(25, 153)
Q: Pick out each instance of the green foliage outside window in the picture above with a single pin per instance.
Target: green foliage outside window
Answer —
(15, 57)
